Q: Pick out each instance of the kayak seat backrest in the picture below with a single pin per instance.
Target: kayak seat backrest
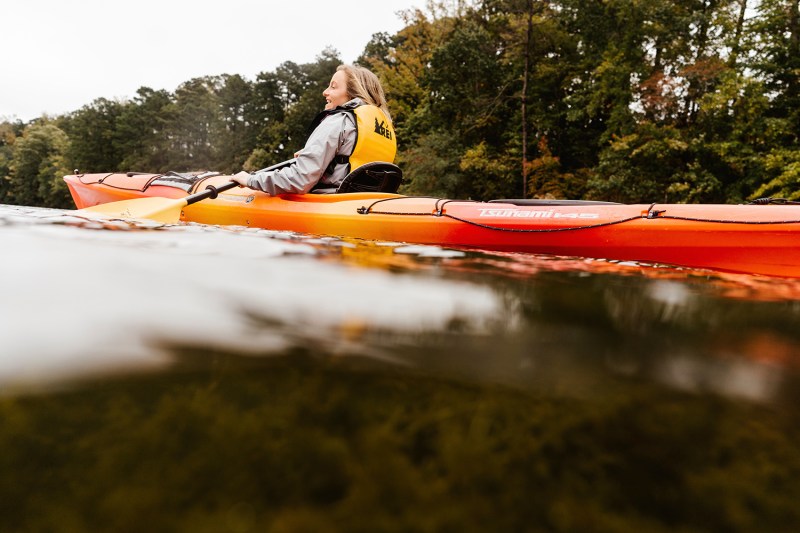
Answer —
(377, 176)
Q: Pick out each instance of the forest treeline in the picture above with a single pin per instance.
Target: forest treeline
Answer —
(618, 100)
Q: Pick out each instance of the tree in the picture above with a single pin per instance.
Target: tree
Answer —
(778, 58)
(94, 145)
(288, 100)
(653, 164)
(266, 113)
(142, 131)
(38, 167)
(469, 86)
(541, 58)
(308, 100)
(236, 138)
(446, 78)
(403, 70)
(524, 107)
(9, 131)
(194, 125)
(431, 166)
(377, 51)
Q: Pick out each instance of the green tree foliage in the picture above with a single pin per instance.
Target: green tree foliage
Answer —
(431, 165)
(303, 96)
(286, 102)
(9, 131)
(142, 131)
(92, 130)
(197, 121)
(653, 164)
(402, 67)
(784, 164)
(778, 57)
(236, 136)
(266, 119)
(681, 101)
(38, 165)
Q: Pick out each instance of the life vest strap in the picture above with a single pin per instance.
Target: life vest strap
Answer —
(338, 160)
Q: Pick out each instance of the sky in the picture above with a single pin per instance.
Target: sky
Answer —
(59, 56)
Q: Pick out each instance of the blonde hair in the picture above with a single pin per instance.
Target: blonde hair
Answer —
(362, 83)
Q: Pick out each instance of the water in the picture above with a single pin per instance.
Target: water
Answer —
(209, 378)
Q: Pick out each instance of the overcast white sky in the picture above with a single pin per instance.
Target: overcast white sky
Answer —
(59, 56)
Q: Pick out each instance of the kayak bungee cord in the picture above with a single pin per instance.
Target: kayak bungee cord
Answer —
(439, 212)
(651, 214)
(723, 221)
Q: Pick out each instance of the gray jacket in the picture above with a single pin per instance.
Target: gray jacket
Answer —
(335, 135)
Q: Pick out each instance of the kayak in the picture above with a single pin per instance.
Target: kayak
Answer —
(754, 239)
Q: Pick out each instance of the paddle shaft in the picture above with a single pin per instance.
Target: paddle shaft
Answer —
(276, 166)
(210, 192)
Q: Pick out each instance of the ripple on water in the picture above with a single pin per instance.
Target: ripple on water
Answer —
(78, 300)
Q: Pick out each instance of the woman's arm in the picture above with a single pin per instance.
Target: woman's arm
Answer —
(311, 162)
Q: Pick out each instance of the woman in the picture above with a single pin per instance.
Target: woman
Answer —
(354, 129)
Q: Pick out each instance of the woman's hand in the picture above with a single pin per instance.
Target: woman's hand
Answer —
(241, 178)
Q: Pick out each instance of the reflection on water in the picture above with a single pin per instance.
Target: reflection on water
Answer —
(110, 298)
(207, 378)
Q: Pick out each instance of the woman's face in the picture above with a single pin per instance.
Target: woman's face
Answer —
(336, 93)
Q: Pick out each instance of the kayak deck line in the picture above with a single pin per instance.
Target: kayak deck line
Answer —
(650, 214)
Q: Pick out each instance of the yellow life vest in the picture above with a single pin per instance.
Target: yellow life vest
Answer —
(375, 138)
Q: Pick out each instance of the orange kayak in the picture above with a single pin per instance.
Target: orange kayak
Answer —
(756, 239)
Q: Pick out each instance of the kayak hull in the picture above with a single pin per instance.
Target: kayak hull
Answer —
(754, 239)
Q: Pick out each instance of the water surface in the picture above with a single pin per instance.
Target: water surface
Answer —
(210, 378)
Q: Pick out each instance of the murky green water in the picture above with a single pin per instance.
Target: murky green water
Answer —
(194, 378)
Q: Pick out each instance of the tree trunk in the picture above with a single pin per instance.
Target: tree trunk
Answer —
(737, 36)
(528, 33)
(793, 88)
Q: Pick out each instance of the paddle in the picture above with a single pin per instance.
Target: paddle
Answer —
(167, 210)
(276, 166)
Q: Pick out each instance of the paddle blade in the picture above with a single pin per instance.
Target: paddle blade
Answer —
(165, 210)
